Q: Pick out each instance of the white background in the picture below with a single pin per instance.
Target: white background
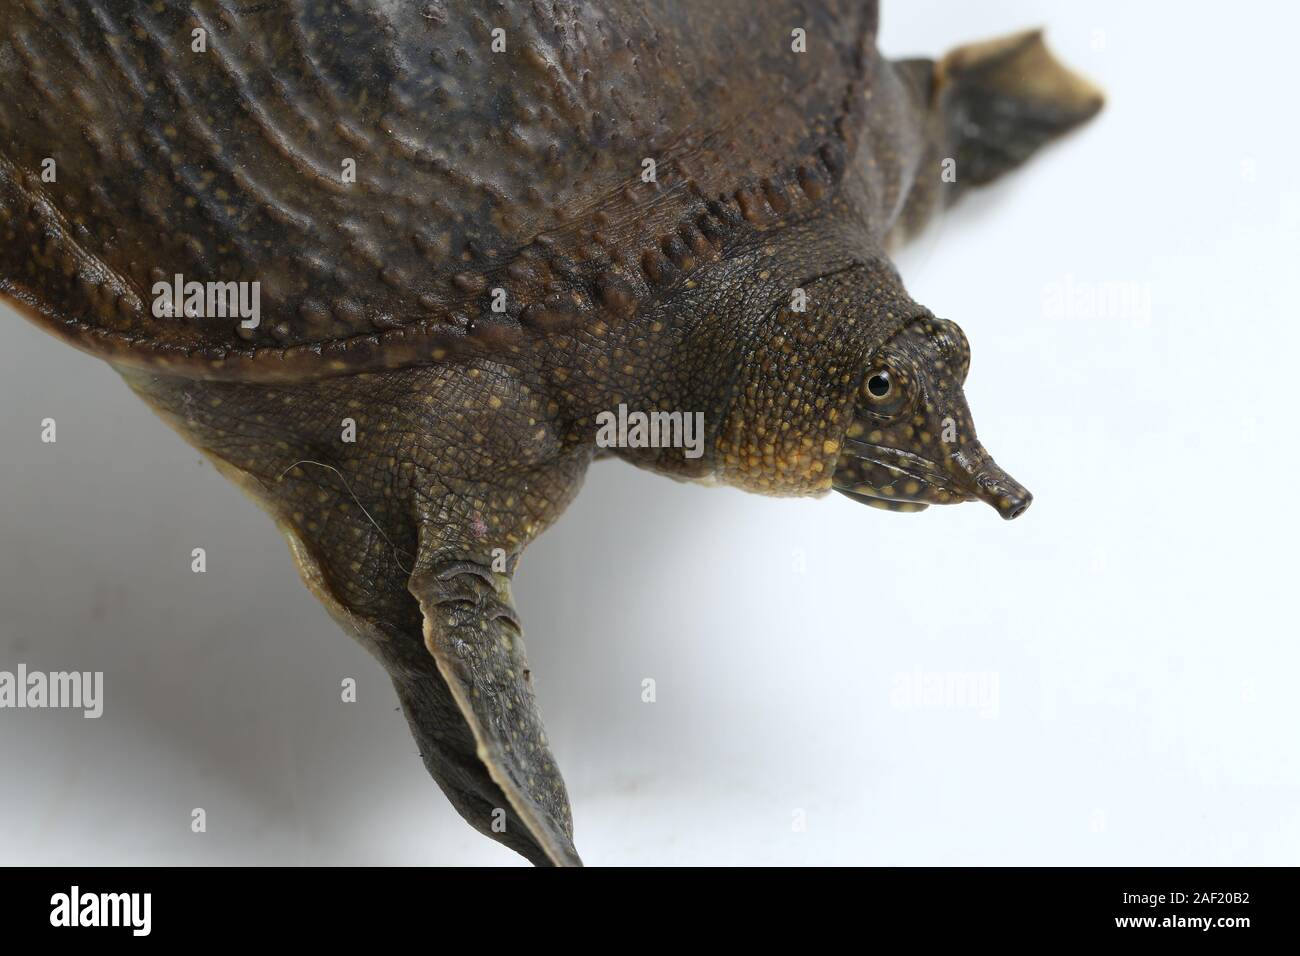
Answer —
(1139, 619)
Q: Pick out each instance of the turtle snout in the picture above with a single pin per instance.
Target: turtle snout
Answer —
(982, 477)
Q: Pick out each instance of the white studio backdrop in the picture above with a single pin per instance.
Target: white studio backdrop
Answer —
(1130, 297)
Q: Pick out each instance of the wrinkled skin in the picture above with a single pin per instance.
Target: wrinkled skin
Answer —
(750, 282)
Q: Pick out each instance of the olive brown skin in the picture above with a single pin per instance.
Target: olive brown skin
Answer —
(554, 209)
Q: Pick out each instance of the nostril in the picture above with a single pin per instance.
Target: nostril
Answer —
(1015, 507)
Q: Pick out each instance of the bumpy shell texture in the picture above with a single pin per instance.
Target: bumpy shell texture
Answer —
(390, 171)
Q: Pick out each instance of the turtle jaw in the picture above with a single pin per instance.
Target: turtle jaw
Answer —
(873, 499)
(892, 479)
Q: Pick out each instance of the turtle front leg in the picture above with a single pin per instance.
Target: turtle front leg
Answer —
(409, 534)
(469, 545)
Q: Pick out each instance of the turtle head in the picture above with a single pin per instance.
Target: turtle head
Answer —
(911, 442)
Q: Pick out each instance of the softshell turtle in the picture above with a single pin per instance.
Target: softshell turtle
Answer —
(392, 264)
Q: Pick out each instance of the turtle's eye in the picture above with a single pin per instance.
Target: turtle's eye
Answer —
(884, 392)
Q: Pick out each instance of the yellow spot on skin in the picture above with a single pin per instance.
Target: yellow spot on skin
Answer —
(830, 446)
